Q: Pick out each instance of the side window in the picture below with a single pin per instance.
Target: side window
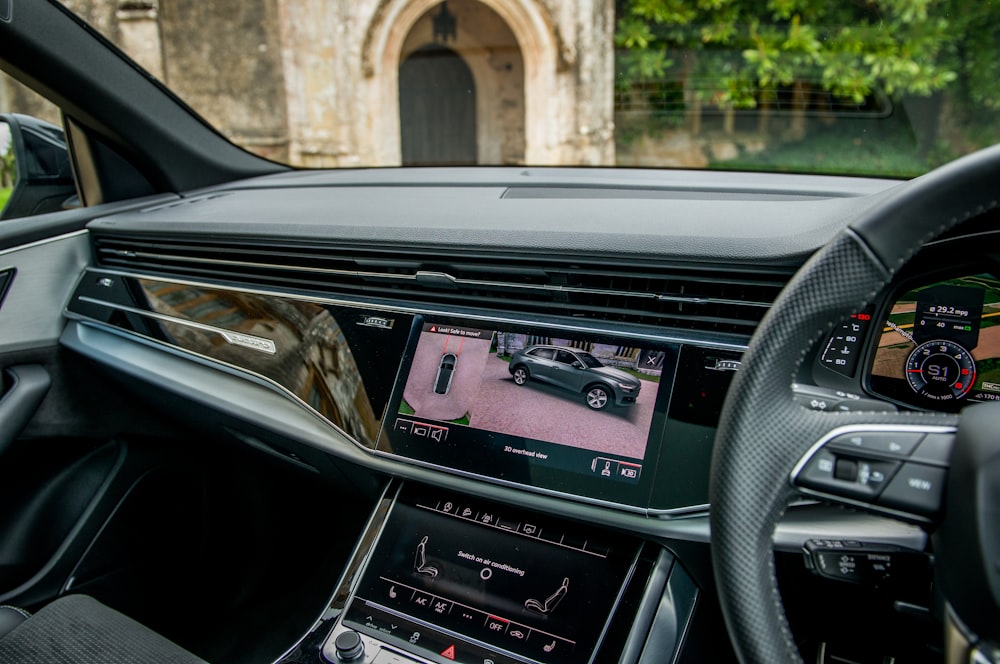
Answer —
(542, 353)
(45, 153)
(8, 165)
(35, 172)
(565, 357)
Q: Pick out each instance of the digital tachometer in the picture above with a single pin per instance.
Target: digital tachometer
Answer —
(941, 370)
(940, 345)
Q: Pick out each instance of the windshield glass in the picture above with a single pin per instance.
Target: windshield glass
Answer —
(879, 87)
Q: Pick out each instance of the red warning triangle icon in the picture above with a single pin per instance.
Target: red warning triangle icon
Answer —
(434, 328)
(449, 652)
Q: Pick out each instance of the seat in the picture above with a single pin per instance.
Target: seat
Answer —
(80, 630)
(551, 602)
(420, 560)
(11, 617)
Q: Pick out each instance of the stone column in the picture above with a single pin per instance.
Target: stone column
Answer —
(139, 33)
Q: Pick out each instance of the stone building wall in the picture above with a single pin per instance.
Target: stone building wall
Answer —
(315, 82)
(224, 59)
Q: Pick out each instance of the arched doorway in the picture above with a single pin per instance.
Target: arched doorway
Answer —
(437, 109)
(484, 43)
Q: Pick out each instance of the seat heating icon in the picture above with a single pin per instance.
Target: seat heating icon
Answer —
(550, 603)
(420, 565)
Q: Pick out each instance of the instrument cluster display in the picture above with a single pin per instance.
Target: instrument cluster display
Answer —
(939, 346)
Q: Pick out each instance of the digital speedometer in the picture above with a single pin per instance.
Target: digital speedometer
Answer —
(941, 370)
(940, 345)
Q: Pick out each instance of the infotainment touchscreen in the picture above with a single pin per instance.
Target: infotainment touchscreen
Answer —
(573, 413)
(456, 579)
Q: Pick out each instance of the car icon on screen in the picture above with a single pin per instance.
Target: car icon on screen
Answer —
(445, 372)
(576, 371)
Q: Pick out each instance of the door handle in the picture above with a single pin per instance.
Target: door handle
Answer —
(27, 385)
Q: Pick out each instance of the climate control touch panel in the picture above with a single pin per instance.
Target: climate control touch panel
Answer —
(453, 578)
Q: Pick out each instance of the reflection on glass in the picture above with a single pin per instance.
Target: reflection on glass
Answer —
(298, 345)
(8, 165)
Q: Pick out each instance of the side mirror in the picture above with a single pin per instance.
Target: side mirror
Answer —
(35, 172)
(577, 364)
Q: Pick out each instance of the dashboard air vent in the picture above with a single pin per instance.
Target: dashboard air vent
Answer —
(691, 296)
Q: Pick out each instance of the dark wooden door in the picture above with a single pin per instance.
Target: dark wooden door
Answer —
(437, 109)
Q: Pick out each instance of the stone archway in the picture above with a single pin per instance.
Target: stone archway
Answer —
(488, 47)
(542, 54)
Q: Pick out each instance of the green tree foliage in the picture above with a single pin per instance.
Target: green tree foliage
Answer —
(737, 53)
(8, 170)
(974, 49)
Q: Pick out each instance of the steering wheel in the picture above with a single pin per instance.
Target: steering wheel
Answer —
(764, 436)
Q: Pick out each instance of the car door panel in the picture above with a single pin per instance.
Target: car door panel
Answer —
(62, 471)
(44, 274)
(571, 378)
(21, 393)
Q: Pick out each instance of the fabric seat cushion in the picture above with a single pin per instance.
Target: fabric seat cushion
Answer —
(79, 629)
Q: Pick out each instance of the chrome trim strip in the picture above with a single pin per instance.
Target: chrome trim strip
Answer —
(233, 338)
(214, 363)
(618, 600)
(266, 266)
(416, 310)
(860, 428)
(677, 512)
(377, 513)
(42, 242)
(416, 278)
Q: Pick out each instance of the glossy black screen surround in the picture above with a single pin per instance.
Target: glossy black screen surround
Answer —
(533, 434)
(456, 578)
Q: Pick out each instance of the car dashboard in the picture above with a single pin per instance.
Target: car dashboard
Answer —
(534, 360)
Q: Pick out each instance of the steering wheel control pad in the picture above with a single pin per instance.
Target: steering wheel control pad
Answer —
(900, 471)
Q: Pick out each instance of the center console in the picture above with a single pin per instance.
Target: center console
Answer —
(453, 578)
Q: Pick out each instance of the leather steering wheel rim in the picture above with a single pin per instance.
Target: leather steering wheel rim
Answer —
(762, 433)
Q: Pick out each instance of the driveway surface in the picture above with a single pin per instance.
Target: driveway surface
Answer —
(419, 390)
(558, 416)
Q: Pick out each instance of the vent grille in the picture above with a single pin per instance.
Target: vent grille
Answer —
(704, 297)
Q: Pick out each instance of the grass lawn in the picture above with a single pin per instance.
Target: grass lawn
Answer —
(855, 148)
(4, 195)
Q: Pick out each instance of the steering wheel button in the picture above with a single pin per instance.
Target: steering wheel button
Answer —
(847, 475)
(846, 469)
(816, 402)
(841, 566)
(935, 449)
(820, 468)
(915, 488)
(897, 444)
